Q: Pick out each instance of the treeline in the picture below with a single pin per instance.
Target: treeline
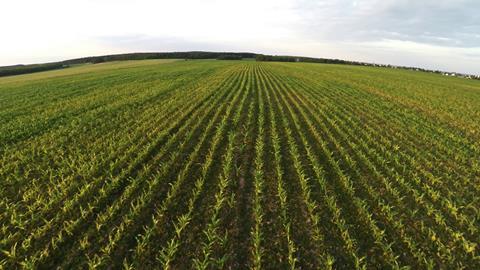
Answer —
(24, 69)
(230, 57)
(287, 58)
(281, 58)
(161, 55)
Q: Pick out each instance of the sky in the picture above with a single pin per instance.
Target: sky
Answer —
(434, 34)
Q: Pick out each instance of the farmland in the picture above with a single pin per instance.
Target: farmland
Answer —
(238, 164)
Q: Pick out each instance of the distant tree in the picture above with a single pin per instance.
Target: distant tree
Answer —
(24, 69)
(98, 60)
(229, 57)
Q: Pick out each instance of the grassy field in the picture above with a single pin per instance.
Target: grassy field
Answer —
(238, 164)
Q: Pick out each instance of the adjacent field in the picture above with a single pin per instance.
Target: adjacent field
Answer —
(238, 164)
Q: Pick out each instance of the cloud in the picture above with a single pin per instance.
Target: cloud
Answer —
(454, 23)
(143, 43)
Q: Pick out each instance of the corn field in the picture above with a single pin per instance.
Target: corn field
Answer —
(238, 165)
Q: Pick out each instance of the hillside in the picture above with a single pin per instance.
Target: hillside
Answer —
(238, 164)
